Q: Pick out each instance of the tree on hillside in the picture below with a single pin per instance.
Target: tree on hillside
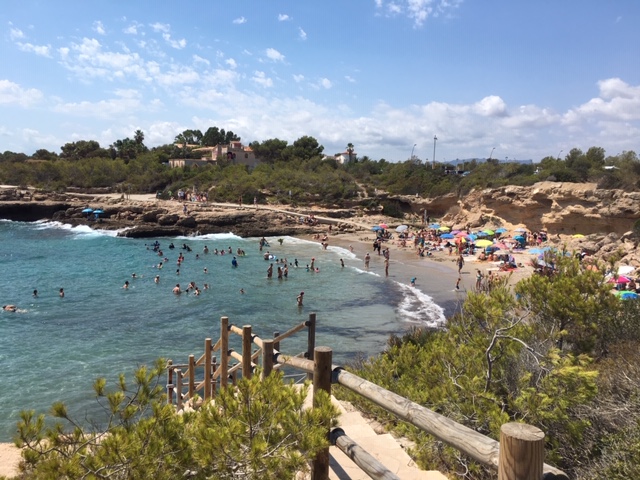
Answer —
(304, 148)
(189, 137)
(350, 149)
(269, 151)
(83, 149)
(214, 136)
(138, 137)
(43, 154)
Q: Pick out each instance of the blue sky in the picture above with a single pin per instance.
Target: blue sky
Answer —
(526, 78)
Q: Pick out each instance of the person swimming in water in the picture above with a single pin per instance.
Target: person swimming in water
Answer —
(126, 285)
(157, 279)
(234, 262)
(176, 289)
(9, 308)
(61, 293)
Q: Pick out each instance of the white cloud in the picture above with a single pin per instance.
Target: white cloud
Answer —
(12, 93)
(283, 17)
(199, 59)
(325, 83)
(417, 10)
(231, 62)
(42, 50)
(350, 79)
(125, 103)
(618, 101)
(177, 44)
(302, 34)
(239, 21)
(15, 34)
(275, 55)
(261, 79)
(491, 106)
(132, 29)
(298, 78)
(160, 27)
(99, 28)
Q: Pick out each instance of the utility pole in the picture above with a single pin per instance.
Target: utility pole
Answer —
(435, 138)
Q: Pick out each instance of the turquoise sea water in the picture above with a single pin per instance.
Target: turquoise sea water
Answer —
(53, 348)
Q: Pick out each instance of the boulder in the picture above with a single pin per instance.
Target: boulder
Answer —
(170, 219)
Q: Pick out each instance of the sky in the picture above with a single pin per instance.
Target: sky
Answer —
(489, 78)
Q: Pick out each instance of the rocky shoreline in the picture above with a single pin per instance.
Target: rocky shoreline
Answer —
(145, 216)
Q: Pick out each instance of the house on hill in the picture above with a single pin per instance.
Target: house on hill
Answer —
(235, 152)
(342, 158)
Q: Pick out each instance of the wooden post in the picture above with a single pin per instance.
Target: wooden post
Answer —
(192, 377)
(321, 381)
(214, 381)
(224, 351)
(521, 452)
(207, 368)
(276, 345)
(246, 351)
(234, 378)
(169, 382)
(311, 339)
(267, 358)
(178, 388)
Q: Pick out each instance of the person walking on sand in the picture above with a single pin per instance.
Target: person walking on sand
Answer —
(478, 279)
(460, 264)
(367, 259)
(386, 266)
(458, 283)
(300, 299)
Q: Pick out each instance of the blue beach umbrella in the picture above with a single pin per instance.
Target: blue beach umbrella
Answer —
(472, 237)
(501, 230)
(434, 226)
(627, 295)
(520, 238)
(377, 228)
(87, 210)
(447, 236)
(481, 234)
(98, 212)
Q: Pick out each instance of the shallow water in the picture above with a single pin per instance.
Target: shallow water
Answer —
(54, 348)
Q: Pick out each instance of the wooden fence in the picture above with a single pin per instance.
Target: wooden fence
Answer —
(518, 456)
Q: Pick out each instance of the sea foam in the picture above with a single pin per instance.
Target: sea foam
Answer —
(418, 307)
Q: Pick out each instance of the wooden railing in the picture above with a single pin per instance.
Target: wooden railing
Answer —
(518, 456)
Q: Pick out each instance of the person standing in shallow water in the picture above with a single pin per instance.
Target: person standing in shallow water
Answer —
(367, 259)
(61, 293)
(300, 299)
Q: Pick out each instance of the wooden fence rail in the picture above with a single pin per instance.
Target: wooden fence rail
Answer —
(518, 456)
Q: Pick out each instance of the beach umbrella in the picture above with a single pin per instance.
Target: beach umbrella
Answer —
(501, 230)
(376, 228)
(461, 240)
(483, 243)
(620, 279)
(455, 232)
(402, 228)
(578, 235)
(481, 234)
(434, 226)
(87, 210)
(627, 295)
(384, 226)
(491, 248)
(472, 237)
(502, 246)
(489, 232)
(625, 269)
(519, 238)
(444, 229)
(459, 233)
(447, 236)
(520, 229)
(536, 251)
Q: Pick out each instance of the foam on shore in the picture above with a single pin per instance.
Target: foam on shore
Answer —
(419, 308)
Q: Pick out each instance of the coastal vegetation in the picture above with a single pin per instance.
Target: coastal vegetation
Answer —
(296, 173)
(560, 354)
(259, 430)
